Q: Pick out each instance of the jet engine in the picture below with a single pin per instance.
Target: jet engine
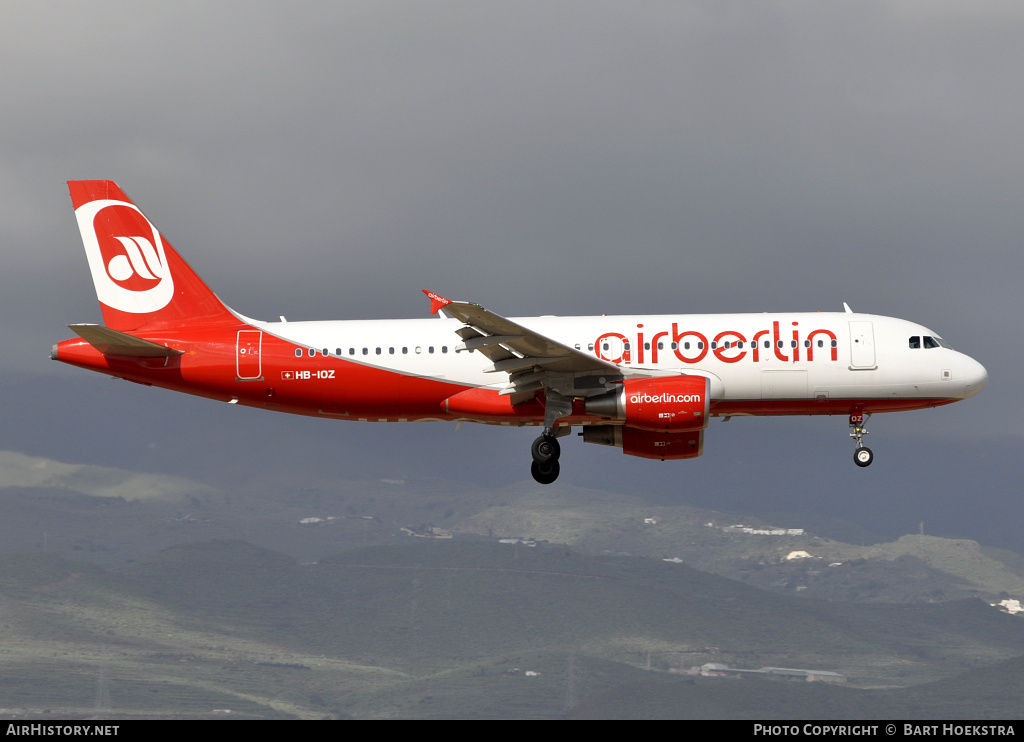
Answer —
(647, 444)
(664, 404)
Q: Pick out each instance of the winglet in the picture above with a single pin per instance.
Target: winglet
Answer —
(436, 302)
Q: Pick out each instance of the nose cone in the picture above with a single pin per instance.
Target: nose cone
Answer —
(975, 376)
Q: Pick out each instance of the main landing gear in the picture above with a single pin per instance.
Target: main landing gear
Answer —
(545, 451)
(862, 455)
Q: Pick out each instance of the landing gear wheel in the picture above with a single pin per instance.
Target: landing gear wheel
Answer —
(545, 449)
(545, 473)
(862, 456)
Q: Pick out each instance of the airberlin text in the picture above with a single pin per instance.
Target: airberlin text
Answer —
(664, 398)
(728, 346)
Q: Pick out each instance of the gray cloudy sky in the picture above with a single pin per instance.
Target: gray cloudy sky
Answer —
(328, 160)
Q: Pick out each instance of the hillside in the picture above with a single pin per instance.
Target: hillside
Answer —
(914, 568)
(432, 629)
(111, 515)
(138, 595)
(19, 470)
(992, 694)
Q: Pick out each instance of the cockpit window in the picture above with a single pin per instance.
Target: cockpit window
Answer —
(930, 341)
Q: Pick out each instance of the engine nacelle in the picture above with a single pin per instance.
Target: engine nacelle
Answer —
(647, 444)
(665, 404)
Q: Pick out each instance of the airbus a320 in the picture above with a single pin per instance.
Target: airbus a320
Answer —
(648, 384)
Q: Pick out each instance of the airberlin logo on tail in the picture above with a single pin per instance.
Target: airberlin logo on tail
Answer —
(126, 257)
(139, 255)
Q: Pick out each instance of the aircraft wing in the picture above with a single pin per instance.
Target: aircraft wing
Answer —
(517, 350)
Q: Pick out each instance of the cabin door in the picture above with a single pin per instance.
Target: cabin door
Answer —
(862, 345)
(247, 355)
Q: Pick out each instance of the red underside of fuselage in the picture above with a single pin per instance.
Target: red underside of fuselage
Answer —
(332, 387)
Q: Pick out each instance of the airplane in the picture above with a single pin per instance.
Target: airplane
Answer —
(647, 384)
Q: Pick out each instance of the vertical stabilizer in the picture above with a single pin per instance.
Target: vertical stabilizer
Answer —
(140, 280)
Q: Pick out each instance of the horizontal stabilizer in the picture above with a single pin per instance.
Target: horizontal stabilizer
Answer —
(114, 343)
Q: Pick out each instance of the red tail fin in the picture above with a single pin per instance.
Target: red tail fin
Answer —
(140, 280)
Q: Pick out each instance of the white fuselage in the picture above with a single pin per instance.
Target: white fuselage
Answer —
(798, 356)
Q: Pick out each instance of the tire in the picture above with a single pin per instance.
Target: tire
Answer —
(545, 473)
(863, 457)
(545, 449)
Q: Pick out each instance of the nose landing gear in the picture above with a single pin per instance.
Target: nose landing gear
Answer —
(545, 451)
(862, 455)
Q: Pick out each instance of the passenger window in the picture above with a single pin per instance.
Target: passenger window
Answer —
(405, 350)
(661, 346)
(444, 348)
(312, 352)
(686, 345)
(807, 343)
(366, 351)
(605, 346)
(835, 344)
(647, 346)
(430, 349)
(378, 351)
(590, 346)
(675, 346)
(700, 345)
(767, 343)
(915, 342)
(351, 351)
(298, 352)
(391, 351)
(821, 343)
(714, 345)
(337, 351)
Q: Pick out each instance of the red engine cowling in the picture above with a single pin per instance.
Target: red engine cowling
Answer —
(647, 444)
(666, 404)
